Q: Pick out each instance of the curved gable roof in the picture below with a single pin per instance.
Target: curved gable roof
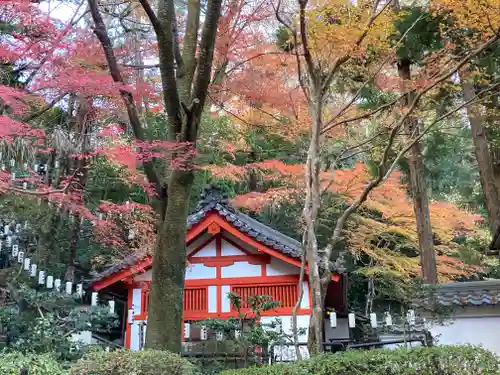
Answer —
(214, 201)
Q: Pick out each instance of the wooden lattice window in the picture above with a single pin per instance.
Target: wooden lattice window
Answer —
(286, 294)
(196, 300)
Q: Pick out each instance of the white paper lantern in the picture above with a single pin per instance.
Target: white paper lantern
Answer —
(50, 282)
(352, 320)
(27, 262)
(69, 287)
(111, 305)
(25, 185)
(388, 319)
(57, 284)
(79, 290)
(41, 278)
(33, 270)
(20, 257)
(93, 301)
(373, 320)
(15, 250)
(219, 336)
(187, 330)
(204, 333)
(333, 319)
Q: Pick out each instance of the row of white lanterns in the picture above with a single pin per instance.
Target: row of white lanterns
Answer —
(411, 319)
(50, 283)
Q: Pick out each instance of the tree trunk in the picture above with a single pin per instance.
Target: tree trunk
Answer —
(418, 187)
(483, 156)
(169, 264)
(73, 247)
(310, 215)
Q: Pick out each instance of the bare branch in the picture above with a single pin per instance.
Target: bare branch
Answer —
(45, 108)
(102, 34)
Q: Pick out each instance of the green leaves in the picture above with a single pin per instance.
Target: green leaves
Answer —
(456, 360)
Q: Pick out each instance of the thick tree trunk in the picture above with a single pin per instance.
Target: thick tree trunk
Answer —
(483, 156)
(418, 188)
(169, 264)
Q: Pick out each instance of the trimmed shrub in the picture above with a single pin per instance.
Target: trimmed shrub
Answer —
(11, 363)
(440, 360)
(126, 362)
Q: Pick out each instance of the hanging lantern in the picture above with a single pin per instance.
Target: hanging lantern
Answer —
(333, 319)
(12, 162)
(41, 278)
(57, 284)
(93, 301)
(388, 319)
(79, 290)
(352, 320)
(33, 270)
(27, 262)
(20, 257)
(111, 305)
(25, 185)
(69, 287)
(50, 282)
(187, 330)
(204, 333)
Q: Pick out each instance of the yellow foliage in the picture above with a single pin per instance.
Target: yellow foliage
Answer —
(336, 26)
(480, 15)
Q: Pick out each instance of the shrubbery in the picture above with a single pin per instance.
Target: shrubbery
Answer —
(441, 360)
(125, 362)
(11, 364)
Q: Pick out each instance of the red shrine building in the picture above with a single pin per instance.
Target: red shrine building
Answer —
(227, 251)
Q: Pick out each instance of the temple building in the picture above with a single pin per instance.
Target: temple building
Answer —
(227, 251)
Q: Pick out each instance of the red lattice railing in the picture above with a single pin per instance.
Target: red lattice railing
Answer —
(286, 295)
(196, 300)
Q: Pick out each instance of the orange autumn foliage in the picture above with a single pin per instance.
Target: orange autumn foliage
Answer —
(392, 204)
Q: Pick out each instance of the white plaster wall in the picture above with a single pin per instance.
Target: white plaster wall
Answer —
(340, 332)
(229, 249)
(239, 242)
(241, 269)
(198, 242)
(200, 271)
(208, 251)
(304, 303)
(193, 271)
(277, 268)
(212, 299)
(470, 330)
(226, 304)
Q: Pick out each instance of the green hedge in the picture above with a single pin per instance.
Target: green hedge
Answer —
(125, 362)
(11, 363)
(441, 360)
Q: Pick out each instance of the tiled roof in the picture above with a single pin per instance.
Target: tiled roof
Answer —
(470, 293)
(213, 200)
